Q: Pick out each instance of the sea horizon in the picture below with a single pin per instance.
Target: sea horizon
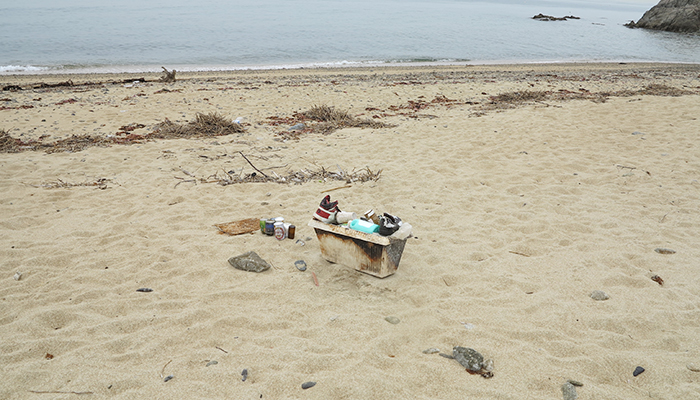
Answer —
(77, 37)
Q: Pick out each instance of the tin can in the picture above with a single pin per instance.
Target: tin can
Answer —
(270, 227)
(280, 233)
(262, 225)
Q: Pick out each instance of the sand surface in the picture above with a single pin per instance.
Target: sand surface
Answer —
(519, 211)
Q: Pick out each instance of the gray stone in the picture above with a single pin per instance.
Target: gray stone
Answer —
(672, 16)
(392, 320)
(249, 261)
(599, 295)
(469, 358)
(569, 391)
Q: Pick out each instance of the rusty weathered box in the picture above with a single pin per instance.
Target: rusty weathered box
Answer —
(372, 254)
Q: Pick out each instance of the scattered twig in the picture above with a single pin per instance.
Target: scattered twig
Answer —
(313, 274)
(162, 371)
(518, 253)
(57, 392)
(251, 164)
(339, 187)
(99, 183)
(222, 349)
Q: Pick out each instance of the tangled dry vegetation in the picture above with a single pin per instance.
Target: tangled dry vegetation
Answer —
(515, 99)
(322, 119)
(204, 125)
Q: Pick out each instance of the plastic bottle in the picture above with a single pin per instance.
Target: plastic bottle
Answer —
(363, 226)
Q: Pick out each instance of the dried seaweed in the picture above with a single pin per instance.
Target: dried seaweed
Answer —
(525, 97)
(100, 183)
(325, 120)
(225, 178)
(204, 125)
(655, 90)
(8, 144)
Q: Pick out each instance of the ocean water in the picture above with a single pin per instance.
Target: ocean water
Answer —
(138, 36)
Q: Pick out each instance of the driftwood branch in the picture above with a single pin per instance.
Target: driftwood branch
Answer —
(168, 76)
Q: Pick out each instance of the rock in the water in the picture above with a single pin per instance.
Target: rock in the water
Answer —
(249, 261)
(569, 391)
(672, 16)
(469, 358)
(599, 295)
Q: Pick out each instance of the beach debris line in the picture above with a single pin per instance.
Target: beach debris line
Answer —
(204, 125)
(515, 99)
(100, 183)
(304, 175)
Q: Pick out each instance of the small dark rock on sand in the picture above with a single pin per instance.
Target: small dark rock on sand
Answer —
(661, 250)
(307, 385)
(638, 371)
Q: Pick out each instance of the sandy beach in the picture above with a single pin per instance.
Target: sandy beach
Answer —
(528, 187)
